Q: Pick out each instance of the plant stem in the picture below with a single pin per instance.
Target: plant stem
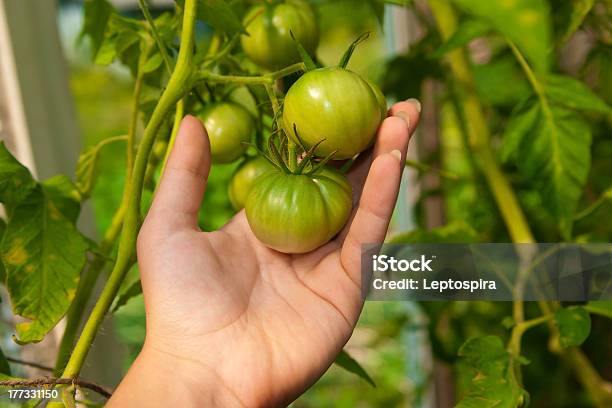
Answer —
(84, 290)
(237, 79)
(179, 83)
(178, 116)
(267, 79)
(426, 168)
(479, 135)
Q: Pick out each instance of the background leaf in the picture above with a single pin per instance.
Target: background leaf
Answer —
(465, 33)
(457, 232)
(221, 16)
(574, 326)
(492, 382)
(96, 16)
(344, 360)
(551, 146)
(525, 22)
(570, 92)
(16, 182)
(43, 255)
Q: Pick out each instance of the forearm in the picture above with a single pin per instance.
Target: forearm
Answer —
(159, 380)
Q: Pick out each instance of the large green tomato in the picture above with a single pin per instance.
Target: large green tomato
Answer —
(244, 178)
(298, 213)
(337, 105)
(229, 128)
(269, 43)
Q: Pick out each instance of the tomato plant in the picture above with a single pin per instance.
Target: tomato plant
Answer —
(514, 147)
(269, 26)
(244, 178)
(229, 128)
(296, 213)
(336, 107)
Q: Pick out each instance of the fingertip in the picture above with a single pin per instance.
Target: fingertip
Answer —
(409, 110)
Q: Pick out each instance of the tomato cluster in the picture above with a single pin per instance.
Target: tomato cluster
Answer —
(295, 205)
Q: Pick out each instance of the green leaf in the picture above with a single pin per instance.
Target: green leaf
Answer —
(579, 10)
(306, 58)
(551, 147)
(524, 22)
(221, 16)
(346, 57)
(4, 365)
(43, 254)
(456, 232)
(493, 383)
(87, 167)
(2, 272)
(130, 291)
(572, 93)
(96, 15)
(16, 182)
(466, 32)
(523, 120)
(600, 307)
(152, 63)
(65, 195)
(344, 360)
(497, 74)
(574, 326)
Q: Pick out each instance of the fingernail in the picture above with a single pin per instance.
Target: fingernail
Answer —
(416, 103)
(404, 115)
(397, 154)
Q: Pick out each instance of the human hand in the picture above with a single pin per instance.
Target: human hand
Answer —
(231, 322)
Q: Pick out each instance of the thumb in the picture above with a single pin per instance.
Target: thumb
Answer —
(181, 188)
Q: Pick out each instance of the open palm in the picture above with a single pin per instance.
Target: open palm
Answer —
(264, 325)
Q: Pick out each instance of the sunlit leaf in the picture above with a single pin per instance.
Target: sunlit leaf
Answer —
(43, 254)
(525, 22)
(574, 326)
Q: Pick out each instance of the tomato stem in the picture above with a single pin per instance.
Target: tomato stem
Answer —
(178, 85)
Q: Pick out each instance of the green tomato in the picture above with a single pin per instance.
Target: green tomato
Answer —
(229, 128)
(269, 43)
(244, 178)
(298, 213)
(380, 97)
(335, 105)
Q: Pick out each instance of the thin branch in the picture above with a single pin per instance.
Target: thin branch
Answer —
(29, 364)
(37, 382)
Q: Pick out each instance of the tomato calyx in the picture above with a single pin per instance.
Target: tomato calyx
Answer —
(277, 153)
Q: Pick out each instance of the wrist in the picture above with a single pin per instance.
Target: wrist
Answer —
(158, 378)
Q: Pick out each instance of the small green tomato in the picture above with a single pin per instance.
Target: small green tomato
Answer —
(244, 178)
(229, 128)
